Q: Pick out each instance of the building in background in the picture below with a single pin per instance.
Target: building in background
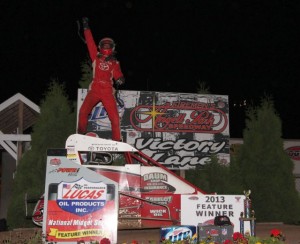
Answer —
(17, 115)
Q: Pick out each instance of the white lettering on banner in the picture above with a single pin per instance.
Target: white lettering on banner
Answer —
(181, 144)
(60, 222)
(98, 222)
(155, 176)
(187, 160)
(158, 212)
(89, 203)
(81, 210)
(160, 200)
(152, 145)
(83, 222)
(179, 161)
(73, 222)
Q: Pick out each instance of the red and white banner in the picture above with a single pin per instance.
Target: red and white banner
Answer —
(80, 205)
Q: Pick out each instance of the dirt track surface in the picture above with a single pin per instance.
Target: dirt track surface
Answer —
(291, 232)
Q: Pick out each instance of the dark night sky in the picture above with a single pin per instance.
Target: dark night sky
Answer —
(243, 49)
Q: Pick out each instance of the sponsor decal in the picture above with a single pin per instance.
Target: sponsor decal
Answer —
(156, 181)
(161, 200)
(224, 231)
(82, 197)
(72, 156)
(68, 171)
(294, 152)
(213, 232)
(104, 65)
(179, 233)
(55, 162)
(158, 212)
(70, 148)
(37, 216)
(71, 152)
(155, 176)
(237, 199)
(99, 120)
(132, 134)
(193, 198)
(158, 187)
(103, 148)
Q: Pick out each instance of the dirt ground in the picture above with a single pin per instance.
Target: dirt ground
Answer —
(291, 232)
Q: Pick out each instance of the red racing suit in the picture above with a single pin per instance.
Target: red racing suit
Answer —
(101, 88)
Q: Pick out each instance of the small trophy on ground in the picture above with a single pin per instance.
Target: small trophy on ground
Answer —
(248, 214)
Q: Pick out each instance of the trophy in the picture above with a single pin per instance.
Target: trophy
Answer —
(247, 204)
(248, 214)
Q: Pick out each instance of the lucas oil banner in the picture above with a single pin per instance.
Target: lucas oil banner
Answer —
(80, 205)
(179, 130)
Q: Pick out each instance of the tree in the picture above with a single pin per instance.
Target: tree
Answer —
(203, 88)
(55, 123)
(212, 177)
(265, 167)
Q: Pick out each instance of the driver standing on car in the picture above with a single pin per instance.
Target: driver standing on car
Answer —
(106, 71)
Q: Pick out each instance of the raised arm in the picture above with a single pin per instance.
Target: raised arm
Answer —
(89, 39)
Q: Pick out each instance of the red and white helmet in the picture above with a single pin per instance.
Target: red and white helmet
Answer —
(106, 46)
